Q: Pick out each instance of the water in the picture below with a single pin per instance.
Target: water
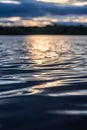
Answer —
(43, 82)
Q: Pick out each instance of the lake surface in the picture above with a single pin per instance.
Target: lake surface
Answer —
(43, 82)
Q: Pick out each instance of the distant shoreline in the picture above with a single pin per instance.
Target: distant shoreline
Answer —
(47, 30)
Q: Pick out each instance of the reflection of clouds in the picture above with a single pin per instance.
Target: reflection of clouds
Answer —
(44, 48)
(69, 112)
(70, 93)
(19, 92)
(38, 89)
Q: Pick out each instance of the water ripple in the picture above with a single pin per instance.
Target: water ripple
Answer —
(43, 82)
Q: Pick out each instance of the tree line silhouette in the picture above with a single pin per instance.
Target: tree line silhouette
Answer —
(49, 29)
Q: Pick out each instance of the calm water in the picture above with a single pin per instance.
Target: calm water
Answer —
(43, 82)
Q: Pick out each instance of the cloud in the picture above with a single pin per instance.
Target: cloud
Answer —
(46, 20)
(36, 9)
(23, 10)
(10, 2)
(64, 1)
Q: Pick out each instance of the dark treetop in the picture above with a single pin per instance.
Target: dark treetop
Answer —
(50, 29)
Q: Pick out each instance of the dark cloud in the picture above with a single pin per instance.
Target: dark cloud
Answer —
(36, 9)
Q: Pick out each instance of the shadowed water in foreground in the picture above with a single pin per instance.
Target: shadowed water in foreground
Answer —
(43, 82)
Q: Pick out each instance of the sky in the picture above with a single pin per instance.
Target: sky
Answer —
(42, 12)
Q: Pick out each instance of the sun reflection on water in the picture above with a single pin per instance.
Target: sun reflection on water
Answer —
(42, 49)
(45, 50)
